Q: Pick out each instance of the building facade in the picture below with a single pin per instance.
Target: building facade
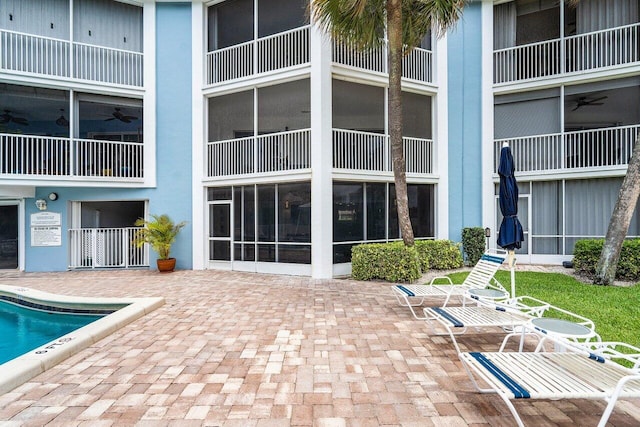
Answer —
(247, 121)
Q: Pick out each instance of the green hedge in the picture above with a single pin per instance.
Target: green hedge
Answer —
(394, 262)
(438, 255)
(587, 253)
(473, 243)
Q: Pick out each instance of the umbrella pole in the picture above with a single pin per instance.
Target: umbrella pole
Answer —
(512, 265)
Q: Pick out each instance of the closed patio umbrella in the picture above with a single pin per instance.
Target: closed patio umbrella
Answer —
(510, 234)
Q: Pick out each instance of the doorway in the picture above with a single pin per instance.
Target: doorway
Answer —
(220, 231)
(9, 226)
(103, 232)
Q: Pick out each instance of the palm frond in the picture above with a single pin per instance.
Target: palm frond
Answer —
(362, 23)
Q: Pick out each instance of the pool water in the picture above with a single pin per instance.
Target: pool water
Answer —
(23, 329)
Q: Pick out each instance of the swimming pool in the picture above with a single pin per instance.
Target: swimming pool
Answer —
(24, 329)
(71, 332)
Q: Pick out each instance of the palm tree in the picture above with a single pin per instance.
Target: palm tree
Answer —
(621, 215)
(620, 220)
(363, 23)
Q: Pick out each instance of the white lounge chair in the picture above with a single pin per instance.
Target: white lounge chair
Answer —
(584, 371)
(480, 278)
(518, 317)
(511, 317)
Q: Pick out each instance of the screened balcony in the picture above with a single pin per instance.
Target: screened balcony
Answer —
(571, 151)
(591, 51)
(26, 53)
(276, 52)
(252, 37)
(358, 151)
(98, 41)
(264, 154)
(548, 38)
(415, 66)
(42, 157)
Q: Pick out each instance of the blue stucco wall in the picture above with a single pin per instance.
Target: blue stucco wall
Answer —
(173, 130)
(465, 120)
(172, 194)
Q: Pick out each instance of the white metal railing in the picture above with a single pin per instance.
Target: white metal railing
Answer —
(418, 155)
(274, 152)
(358, 150)
(417, 65)
(45, 156)
(603, 48)
(372, 60)
(571, 150)
(106, 248)
(29, 53)
(274, 52)
(368, 151)
(283, 50)
(34, 54)
(103, 64)
(525, 62)
(598, 49)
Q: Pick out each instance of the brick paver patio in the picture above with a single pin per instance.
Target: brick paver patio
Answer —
(239, 349)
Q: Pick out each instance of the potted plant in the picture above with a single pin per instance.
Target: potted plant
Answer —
(160, 232)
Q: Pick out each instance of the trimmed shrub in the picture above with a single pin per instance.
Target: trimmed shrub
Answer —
(473, 243)
(587, 253)
(439, 254)
(392, 262)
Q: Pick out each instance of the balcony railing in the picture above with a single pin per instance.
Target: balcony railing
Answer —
(27, 53)
(105, 248)
(571, 150)
(367, 151)
(275, 52)
(415, 66)
(589, 51)
(44, 157)
(270, 153)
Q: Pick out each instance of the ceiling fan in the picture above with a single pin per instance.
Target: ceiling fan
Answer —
(7, 117)
(62, 120)
(118, 115)
(583, 101)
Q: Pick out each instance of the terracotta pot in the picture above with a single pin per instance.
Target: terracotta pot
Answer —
(166, 265)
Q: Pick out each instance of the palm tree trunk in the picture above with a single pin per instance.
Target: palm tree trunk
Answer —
(620, 220)
(394, 33)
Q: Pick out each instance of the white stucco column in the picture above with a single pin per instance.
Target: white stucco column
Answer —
(149, 97)
(198, 141)
(440, 120)
(321, 155)
(488, 199)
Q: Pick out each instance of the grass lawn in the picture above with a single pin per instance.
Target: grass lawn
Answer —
(614, 310)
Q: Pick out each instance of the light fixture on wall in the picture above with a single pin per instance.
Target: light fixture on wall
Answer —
(53, 196)
(41, 204)
(487, 235)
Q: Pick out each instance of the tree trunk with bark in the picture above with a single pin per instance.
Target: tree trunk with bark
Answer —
(394, 34)
(620, 220)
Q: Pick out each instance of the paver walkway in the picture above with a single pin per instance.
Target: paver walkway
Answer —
(239, 349)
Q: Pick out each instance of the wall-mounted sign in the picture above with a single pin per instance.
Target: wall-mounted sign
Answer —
(46, 218)
(46, 229)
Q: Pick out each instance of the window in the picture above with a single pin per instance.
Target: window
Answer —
(366, 212)
(272, 223)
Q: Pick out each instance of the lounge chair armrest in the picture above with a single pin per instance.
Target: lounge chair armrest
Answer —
(529, 305)
(447, 278)
(495, 284)
(616, 350)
